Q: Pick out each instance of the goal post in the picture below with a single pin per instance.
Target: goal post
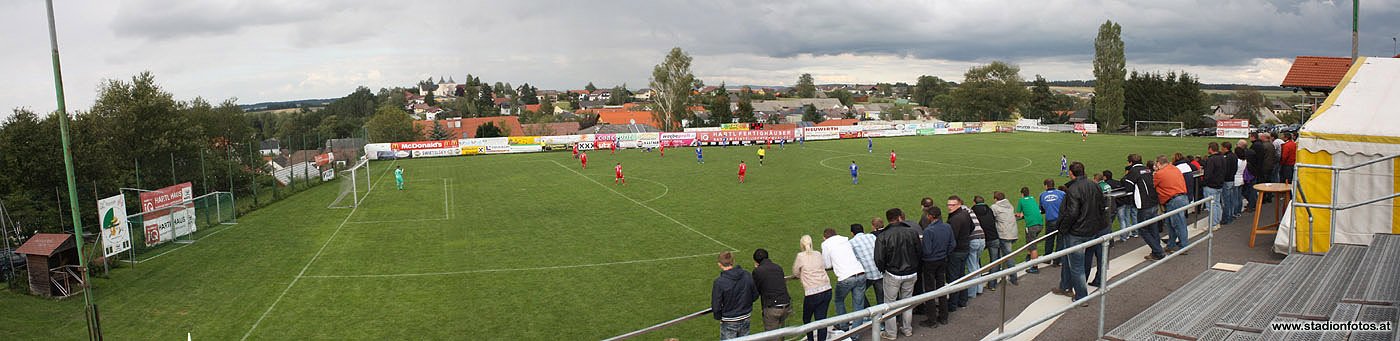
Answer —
(1159, 128)
(354, 185)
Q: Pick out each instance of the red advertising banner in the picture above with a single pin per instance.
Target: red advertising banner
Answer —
(165, 197)
(323, 159)
(423, 145)
(743, 135)
(604, 144)
(1225, 124)
(852, 134)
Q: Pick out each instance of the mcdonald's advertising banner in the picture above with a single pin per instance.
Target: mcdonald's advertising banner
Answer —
(116, 237)
(173, 214)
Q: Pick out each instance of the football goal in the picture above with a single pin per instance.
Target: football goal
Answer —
(1158, 128)
(354, 184)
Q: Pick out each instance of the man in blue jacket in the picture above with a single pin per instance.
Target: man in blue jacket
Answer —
(1050, 201)
(732, 298)
(936, 244)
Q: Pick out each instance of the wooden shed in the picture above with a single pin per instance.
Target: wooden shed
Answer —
(53, 265)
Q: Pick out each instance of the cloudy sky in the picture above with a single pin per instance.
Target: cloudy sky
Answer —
(264, 50)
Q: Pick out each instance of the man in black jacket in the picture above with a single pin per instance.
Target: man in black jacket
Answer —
(732, 298)
(961, 221)
(1230, 191)
(1081, 217)
(937, 241)
(1214, 180)
(988, 220)
(1267, 161)
(769, 279)
(1144, 196)
(897, 255)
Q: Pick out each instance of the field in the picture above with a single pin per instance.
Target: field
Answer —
(533, 247)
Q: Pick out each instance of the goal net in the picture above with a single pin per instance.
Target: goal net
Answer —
(354, 184)
(1158, 128)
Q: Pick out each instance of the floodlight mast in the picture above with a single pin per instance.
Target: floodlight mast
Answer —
(94, 330)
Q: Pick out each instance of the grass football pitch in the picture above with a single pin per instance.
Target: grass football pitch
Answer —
(534, 247)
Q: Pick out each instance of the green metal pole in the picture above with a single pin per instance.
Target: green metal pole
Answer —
(1355, 28)
(94, 331)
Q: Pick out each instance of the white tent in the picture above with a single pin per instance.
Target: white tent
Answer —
(1359, 122)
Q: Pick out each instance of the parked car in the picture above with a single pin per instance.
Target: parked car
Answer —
(1191, 132)
(10, 260)
(1175, 131)
(1159, 133)
(1207, 132)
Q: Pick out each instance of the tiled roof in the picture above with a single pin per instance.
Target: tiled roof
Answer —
(840, 122)
(624, 116)
(546, 129)
(1317, 72)
(468, 125)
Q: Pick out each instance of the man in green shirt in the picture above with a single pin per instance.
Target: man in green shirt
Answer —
(1028, 209)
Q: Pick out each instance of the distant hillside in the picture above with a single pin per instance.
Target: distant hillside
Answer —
(302, 103)
(1090, 84)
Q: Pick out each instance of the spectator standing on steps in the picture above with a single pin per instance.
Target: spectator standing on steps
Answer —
(810, 269)
(897, 254)
(1028, 209)
(731, 298)
(1081, 221)
(840, 258)
(768, 280)
(1144, 195)
(936, 243)
(1005, 215)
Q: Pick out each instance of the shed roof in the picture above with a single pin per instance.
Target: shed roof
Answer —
(1316, 72)
(46, 244)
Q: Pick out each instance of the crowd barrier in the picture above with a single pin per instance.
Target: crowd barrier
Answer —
(729, 135)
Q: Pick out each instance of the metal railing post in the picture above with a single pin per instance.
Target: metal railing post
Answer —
(875, 320)
(1332, 225)
(1103, 284)
(1210, 234)
(1002, 326)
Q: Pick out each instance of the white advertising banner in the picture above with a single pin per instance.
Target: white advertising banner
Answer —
(486, 142)
(116, 234)
(821, 133)
(439, 152)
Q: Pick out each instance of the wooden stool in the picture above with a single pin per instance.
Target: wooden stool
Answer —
(1279, 202)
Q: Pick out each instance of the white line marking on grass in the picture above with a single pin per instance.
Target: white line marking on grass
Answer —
(211, 234)
(557, 267)
(984, 171)
(665, 189)
(446, 213)
(653, 210)
(313, 260)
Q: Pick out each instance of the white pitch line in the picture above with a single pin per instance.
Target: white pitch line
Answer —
(653, 210)
(446, 212)
(557, 267)
(308, 263)
(211, 234)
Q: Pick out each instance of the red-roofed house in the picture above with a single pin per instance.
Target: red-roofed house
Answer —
(625, 116)
(466, 127)
(551, 129)
(839, 122)
(1311, 73)
(532, 107)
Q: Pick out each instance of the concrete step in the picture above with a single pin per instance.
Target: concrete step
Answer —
(1324, 288)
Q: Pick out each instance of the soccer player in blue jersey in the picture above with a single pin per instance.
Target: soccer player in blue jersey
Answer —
(855, 173)
(699, 155)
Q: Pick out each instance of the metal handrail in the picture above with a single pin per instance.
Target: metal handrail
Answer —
(661, 325)
(885, 310)
(1332, 206)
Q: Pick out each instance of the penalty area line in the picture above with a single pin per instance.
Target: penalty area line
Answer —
(557, 267)
(312, 261)
(643, 205)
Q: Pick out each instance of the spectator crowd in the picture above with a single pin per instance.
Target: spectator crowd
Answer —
(904, 255)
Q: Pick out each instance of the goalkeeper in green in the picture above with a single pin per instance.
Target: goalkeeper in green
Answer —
(398, 177)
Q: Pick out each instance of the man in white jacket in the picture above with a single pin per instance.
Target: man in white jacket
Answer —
(1006, 235)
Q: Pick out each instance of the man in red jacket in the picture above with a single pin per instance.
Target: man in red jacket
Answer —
(1288, 157)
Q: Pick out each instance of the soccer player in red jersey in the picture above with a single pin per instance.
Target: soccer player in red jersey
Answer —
(619, 179)
(614, 147)
(892, 158)
(743, 168)
(575, 150)
(663, 150)
(583, 158)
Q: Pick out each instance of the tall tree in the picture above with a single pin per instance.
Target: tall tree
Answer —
(439, 132)
(619, 95)
(806, 87)
(486, 103)
(673, 83)
(841, 95)
(590, 87)
(990, 92)
(810, 114)
(928, 88)
(1042, 101)
(1110, 67)
(1250, 102)
(744, 111)
(718, 106)
(391, 124)
(528, 95)
(489, 129)
(547, 108)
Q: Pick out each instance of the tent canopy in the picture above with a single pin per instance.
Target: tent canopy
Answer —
(1362, 116)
